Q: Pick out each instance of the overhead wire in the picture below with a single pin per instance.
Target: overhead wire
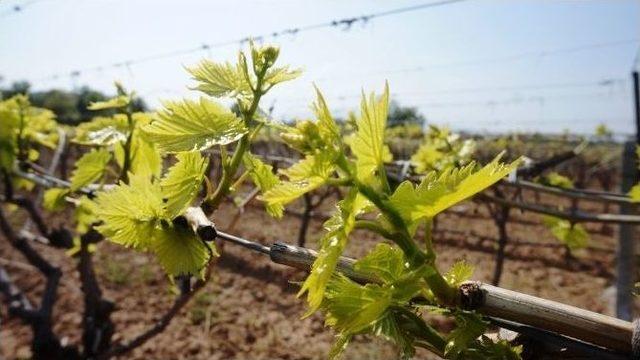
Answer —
(344, 23)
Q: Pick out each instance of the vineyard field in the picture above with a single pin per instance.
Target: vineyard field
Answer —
(251, 295)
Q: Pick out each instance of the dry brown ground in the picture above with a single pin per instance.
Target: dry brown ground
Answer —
(249, 309)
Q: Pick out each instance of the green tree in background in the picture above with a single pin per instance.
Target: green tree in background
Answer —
(403, 115)
(70, 107)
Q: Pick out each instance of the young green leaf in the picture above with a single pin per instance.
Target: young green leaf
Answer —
(54, 199)
(341, 343)
(634, 193)
(470, 327)
(89, 168)
(180, 186)
(179, 251)
(331, 246)
(145, 157)
(327, 126)
(263, 177)
(437, 193)
(308, 174)
(368, 144)
(220, 79)
(574, 236)
(304, 137)
(131, 212)
(113, 103)
(102, 131)
(351, 308)
(194, 126)
(556, 180)
(280, 74)
(85, 215)
(442, 150)
(460, 272)
(384, 262)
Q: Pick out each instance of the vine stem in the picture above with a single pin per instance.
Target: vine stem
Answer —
(437, 283)
(212, 203)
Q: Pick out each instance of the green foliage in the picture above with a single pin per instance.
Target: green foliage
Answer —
(634, 193)
(146, 210)
(179, 250)
(69, 107)
(385, 262)
(437, 193)
(442, 150)
(85, 215)
(309, 174)
(117, 102)
(331, 246)
(263, 177)
(469, 327)
(135, 215)
(131, 212)
(22, 127)
(89, 168)
(406, 271)
(221, 79)
(603, 131)
(183, 181)
(194, 126)
(460, 272)
(144, 156)
(368, 143)
(574, 236)
(352, 308)
(556, 180)
(54, 199)
(102, 131)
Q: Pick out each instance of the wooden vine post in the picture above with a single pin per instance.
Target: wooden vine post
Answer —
(625, 249)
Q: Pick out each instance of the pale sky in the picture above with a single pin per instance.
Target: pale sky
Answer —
(483, 65)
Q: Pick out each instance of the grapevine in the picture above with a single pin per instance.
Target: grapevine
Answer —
(143, 183)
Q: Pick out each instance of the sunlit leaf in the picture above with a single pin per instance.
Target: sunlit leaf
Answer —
(442, 150)
(368, 144)
(179, 251)
(263, 177)
(327, 127)
(308, 174)
(459, 272)
(145, 157)
(102, 131)
(385, 262)
(634, 193)
(194, 125)
(331, 246)
(556, 180)
(181, 185)
(85, 215)
(278, 75)
(574, 236)
(131, 212)
(54, 199)
(437, 193)
(113, 103)
(351, 307)
(220, 79)
(89, 168)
